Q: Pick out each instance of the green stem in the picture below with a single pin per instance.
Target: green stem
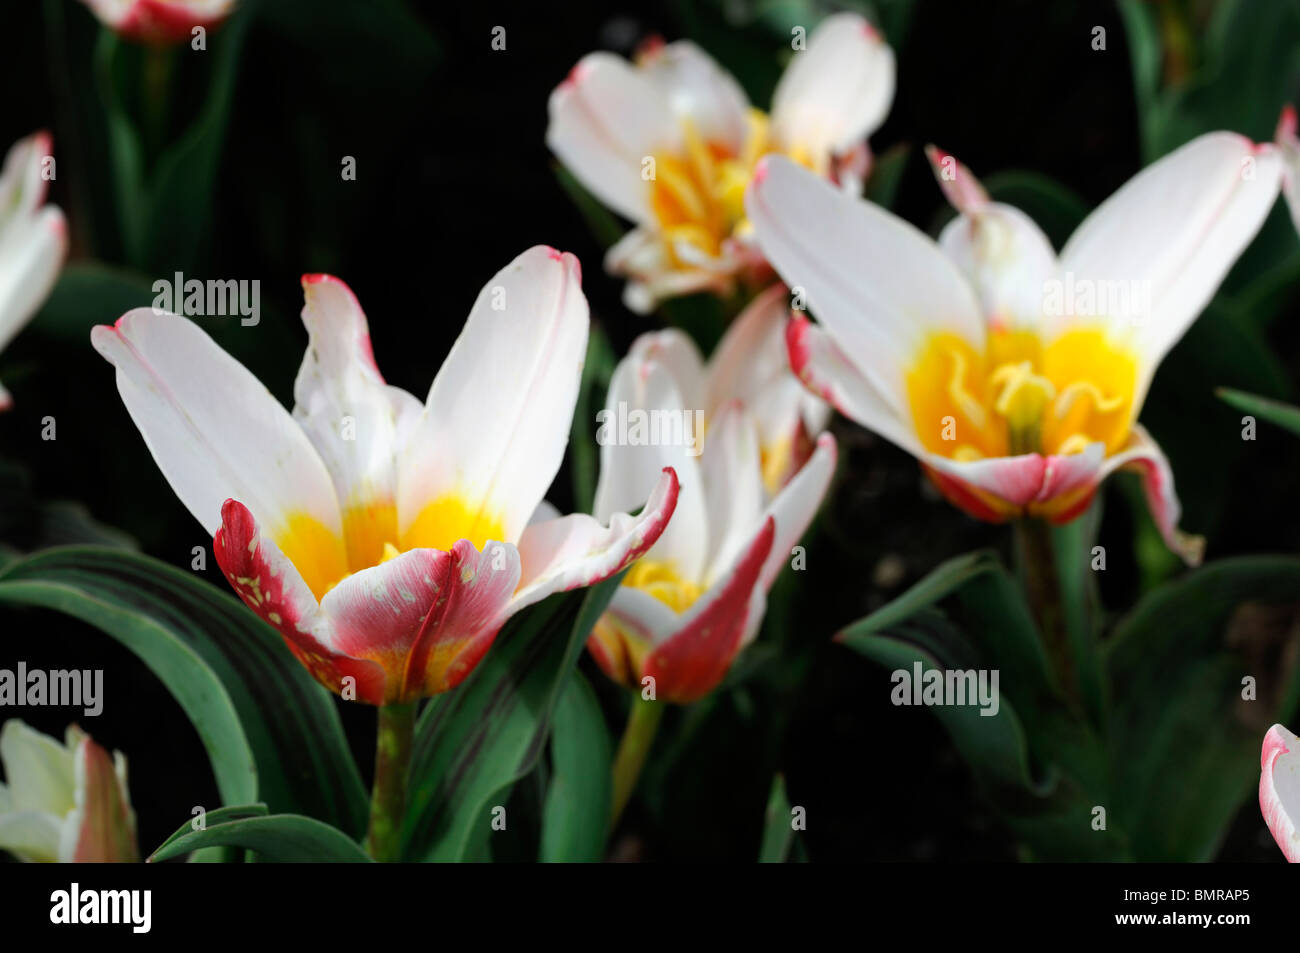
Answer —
(159, 67)
(638, 736)
(392, 766)
(1039, 574)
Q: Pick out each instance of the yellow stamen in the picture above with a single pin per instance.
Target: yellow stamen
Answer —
(1020, 395)
(663, 582)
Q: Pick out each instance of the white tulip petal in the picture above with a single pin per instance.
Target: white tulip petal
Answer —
(497, 419)
(837, 91)
(1174, 229)
(645, 428)
(700, 92)
(733, 486)
(605, 120)
(875, 283)
(214, 430)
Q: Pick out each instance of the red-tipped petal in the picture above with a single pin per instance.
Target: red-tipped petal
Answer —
(1279, 789)
(272, 587)
(691, 663)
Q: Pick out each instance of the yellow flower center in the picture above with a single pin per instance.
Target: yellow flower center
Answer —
(698, 197)
(1021, 396)
(370, 537)
(663, 582)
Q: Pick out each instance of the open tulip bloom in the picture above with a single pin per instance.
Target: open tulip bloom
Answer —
(1013, 375)
(386, 539)
(33, 238)
(671, 143)
(698, 595)
(63, 802)
(1279, 789)
(160, 21)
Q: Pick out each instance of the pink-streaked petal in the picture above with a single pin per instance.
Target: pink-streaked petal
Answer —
(273, 588)
(1288, 147)
(961, 188)
(752, 352)
(103, 821)
(576, 550)
(214, 430)
(837, 91)
(750, 364)
(795, 506)
(605, 119)
(426, 617)
(877, 285)
(1175, 228)
(676, 351)
(160, 21)
(1279, 789)
(1000, 249)
(690, 663)
(700, 92)
(346, 409)
(33, 240)
(497, 419)
(633, 622)
(1027, 478)
(827, 371)
(1144, 455)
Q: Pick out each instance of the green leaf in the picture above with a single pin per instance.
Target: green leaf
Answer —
(1274, 411)
(1081, 606)
(995, 747)
(778, 834)
(219, 816)
(576, 815)
(995, 609)
(181, 186)
(272, 734)
(275, 838)
(473, 743)
(1184, 744)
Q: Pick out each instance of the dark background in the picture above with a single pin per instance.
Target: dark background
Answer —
(453, 180)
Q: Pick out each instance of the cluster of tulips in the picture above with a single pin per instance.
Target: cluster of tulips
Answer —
(388, 539)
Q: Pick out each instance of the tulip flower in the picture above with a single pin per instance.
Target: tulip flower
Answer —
(63, 802)
(1279, 789)
(750, 365)
(386, 539)
(1015, 377)
(698, 594)
(160, 22)
(671, 142)
(33, 238)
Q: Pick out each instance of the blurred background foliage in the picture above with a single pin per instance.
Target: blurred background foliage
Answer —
(226, 164)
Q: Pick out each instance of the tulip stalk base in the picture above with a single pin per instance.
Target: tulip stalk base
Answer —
(392, 766)
(1042, 585)
(638, 736)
